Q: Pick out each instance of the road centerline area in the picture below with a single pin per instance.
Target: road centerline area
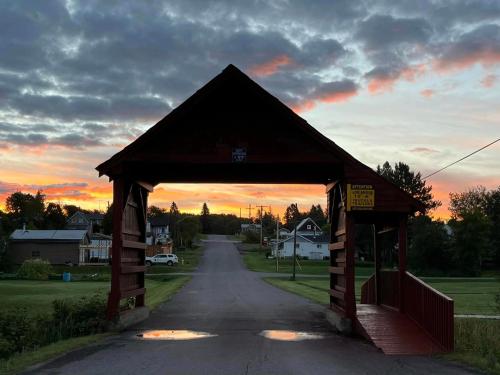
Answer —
(233, 306)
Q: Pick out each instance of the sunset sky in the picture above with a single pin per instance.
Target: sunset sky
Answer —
(411, 81)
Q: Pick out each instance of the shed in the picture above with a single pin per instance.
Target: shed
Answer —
(56, 246)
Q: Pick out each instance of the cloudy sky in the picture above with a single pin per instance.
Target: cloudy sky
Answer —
(412, 81)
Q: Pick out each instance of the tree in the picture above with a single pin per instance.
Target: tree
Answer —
(70, 210)
(26, 208)
(429, 251)
(318, 215)
(154, 211)
(493, 212)
(174, 210)
(188, 228)
(470, 241)
(292, 216)
(412, 183)
(470, 201)
(107, 221)
(54, 217)
(205, 219)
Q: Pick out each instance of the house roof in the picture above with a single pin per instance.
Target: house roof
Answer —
(322, 238)
(160, 221)
(216, 136)
(48, 235)
(302, 223)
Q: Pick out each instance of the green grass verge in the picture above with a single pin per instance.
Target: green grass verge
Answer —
(21, 361)
(37, 297)
(477, 343)
(188, 262)
(256, 260)
(161, 290)
(471, 297)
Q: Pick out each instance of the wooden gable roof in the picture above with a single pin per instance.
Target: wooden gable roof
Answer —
(232, 130)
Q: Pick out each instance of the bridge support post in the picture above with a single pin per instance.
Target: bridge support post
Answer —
(402, 245)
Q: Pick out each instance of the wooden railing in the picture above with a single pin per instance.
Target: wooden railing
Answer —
(430, 309)
(368, 291)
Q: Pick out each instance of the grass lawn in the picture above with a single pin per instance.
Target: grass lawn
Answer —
(256, 260)
(470, 296)
(477, 343)
(37, 296)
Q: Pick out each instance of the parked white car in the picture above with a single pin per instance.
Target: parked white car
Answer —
(165, 259)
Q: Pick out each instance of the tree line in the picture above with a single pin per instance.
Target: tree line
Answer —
(464, 246)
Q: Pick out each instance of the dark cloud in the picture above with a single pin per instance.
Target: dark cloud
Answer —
(384, 31)
(81, 67)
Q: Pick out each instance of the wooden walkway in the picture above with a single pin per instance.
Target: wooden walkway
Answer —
(392, 332)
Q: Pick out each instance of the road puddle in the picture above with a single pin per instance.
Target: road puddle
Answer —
(283, 335)
(179, 334)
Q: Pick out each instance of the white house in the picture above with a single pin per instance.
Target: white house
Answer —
(312, 242)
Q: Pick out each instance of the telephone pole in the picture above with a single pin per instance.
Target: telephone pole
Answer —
(249, 211)
(260, 215)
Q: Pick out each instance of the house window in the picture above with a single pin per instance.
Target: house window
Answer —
(35, 254)
(318, 246)
(297, 245)
(309, 227)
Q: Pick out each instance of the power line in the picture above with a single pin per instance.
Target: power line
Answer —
(459, 160)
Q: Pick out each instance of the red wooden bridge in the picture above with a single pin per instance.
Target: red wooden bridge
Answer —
(216, 135)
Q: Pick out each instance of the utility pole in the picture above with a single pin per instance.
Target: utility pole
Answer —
(294, 251)
(260, 215)
(277, 242)
(249, 211)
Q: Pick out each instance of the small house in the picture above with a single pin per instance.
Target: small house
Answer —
(56, 246)
(311, 242)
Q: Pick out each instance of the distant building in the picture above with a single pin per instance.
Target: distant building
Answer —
(250, 228)
(85, 221)
(98, 251)
(56, 246)
(158, 230)
(311, 242)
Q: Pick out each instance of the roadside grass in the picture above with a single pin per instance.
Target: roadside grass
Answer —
(37, 297)
(256, 260)
(21, 361)
(189, 260)
(477, 343)
(470, 296)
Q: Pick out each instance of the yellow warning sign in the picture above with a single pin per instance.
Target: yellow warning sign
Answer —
(360, 197)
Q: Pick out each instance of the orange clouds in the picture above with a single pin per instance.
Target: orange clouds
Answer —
(330, 92)
(270, 67)
(427, 93)
(489, 81)
(379, 82)
(484, 56)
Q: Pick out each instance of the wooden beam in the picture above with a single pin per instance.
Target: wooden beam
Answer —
(119, 199)
(132, 293)
(146, 185)
(134, 244)
(337, 294)
(336, 246)
(337, 270)
(132, 269)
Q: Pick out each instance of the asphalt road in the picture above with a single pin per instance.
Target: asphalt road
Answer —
(235, 306)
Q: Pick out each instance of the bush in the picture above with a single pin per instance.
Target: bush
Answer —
(35, 269)
(251, 236)
(20, 331)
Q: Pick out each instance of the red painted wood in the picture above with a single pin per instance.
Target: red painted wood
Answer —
(393, 332)
(431, 309)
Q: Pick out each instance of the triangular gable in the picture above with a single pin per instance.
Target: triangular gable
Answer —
(232, 130)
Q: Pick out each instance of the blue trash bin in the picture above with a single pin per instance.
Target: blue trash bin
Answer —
(66, 276)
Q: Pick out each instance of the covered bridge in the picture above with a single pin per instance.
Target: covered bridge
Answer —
(233, 131)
